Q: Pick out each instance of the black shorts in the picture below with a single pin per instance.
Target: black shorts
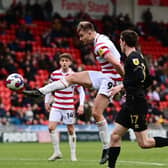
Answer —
(133, 114)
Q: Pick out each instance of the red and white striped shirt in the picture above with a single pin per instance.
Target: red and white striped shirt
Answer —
(64, 99)
(103, 45)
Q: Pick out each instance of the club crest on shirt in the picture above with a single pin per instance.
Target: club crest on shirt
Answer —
(135, 61)
(101, 51)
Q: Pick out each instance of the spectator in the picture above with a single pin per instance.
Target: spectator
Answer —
(11, 65)
(48, 10)
(29, 114)
(24, 33)
(37, 12)
(147, 16)
(2, 110)
(28, 8)
(155, 94)
(15, 45)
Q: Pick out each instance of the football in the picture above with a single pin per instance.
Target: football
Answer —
(15, 81)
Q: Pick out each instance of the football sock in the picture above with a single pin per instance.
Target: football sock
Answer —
(56, 85)
(103, 133)
(55, 141)
(113, 155)
(72, 143)
(160, 142)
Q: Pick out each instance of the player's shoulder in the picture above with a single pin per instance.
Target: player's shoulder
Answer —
(135, 54)
(135, 57)
(103, 41)
(102, 38)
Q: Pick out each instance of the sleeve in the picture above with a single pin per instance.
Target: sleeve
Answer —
(101, 49)
(48, 98)
(51, 78)
(138, 67)
(81, 92)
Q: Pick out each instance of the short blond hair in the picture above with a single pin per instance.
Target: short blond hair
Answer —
(85, 25)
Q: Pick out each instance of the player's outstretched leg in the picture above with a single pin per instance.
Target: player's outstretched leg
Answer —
(56, 85)
(81, 78)
(33, 93)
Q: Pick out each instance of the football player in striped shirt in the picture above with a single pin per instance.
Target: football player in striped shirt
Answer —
(61, 108)
(110, 75)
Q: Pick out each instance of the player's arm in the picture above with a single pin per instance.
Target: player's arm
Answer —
(117, 65)
(48, 101)
(116, 89)
(81, 99)
(105, 52)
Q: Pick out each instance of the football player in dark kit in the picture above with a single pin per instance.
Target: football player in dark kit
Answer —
(133, 113)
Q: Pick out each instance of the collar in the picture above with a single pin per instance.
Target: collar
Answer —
(68, 72)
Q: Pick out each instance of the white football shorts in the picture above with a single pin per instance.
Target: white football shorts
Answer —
(58, 115)
(101, 82)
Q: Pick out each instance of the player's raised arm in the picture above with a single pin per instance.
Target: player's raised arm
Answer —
(82, 99)
(117, 65)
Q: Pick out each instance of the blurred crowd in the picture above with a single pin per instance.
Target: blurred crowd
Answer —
(25, 110)
(150, 27)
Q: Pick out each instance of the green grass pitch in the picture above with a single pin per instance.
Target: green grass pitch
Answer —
(34, 155)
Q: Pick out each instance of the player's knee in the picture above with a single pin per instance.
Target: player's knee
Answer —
(70, 130)
(51, 128)
(115, 138)
(96, 113)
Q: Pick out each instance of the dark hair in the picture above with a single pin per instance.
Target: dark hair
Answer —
(85, 25)
(130, 37)
(65, 55)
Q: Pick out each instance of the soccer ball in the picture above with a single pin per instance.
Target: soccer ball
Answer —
(15, 81)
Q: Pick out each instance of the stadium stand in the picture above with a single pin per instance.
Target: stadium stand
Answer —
(31, 48)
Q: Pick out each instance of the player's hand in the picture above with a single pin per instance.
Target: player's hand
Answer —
(47, 107)
(116, 89)
(80, 110)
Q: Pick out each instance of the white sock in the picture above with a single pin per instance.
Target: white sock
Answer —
(103, 133)
(56, 85)
(72, 144)
(55, 141)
